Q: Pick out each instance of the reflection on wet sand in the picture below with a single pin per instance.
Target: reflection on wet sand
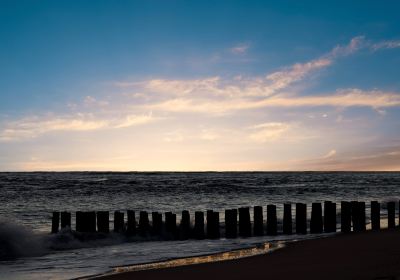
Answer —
(236, 254)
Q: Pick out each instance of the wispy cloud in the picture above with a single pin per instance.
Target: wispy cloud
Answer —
(267, 132)
(240, 49)
(34, 126)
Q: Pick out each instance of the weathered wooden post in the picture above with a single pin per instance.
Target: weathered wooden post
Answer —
(185, 225)
(79, 221)
(216, 224)
(355, 215)
(210, 224)
(65, 220)
(316, 225)
(244, 222)
(199, 225)
(131, 223)
(375, 215)
(231, 223)
(92, 221)
(287, 218)
(345, 216)
(329, 216)
(301, 218)
(156, 223)
(170, 225)
(272, 223)
(103, 222)
(55, 222)
(144, 224)
(258, 226)
(118, 221)
(391, 211)
(361, 208)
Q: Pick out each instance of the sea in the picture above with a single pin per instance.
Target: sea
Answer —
(27, 199)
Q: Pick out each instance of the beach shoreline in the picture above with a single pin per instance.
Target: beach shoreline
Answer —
(366, 255)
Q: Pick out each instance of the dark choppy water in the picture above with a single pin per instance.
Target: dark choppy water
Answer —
(28, 199)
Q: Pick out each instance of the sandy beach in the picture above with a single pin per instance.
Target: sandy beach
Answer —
(367, 255)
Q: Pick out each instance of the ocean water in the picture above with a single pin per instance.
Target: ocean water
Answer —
(27, 200)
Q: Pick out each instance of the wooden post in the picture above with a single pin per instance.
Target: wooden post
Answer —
(271, 220)
(231, 223)
(345, 216)
(55, 222)
(361, 207)
(144, 225)
(118, 221)
(156, 223)
(391, 211)
(170, 225)
(258, 226)
(316, 225)
(287, 218)
(199, 225)
(65, 220)
(185, 225)
(216, 225)
(244, 222)
(79, 221)
(210, 224)
(375, 215)
(329, 216)
(131, 224)
(103, 222)
(355, 216)
(91, 220)
(301, 218)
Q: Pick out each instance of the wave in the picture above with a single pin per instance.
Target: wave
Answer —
(18, 241)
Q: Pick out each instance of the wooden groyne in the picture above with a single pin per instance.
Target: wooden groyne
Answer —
(237, 223)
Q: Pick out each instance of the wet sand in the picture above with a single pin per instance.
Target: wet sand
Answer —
(367, 255)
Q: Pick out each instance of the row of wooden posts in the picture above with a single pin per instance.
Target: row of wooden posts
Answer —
(352, 217)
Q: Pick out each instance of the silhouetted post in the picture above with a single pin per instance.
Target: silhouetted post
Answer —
(375, 215)
(55, 222)
(345, 216)
(355, 215)
(391, 210)
(170, 224)
(144, 225)
(103, 222)
(361, 207)
(301, 218)
(258, 221)
(199, 225)
(216, 224)
(287, 218)
(156, 223)
(86, 221)
(118, 221)
(79, 221)
(185, 225)
(231, 223)
(329, 216)
(65, 219)
(210, 224)
(131, 223)
(316, 225)
(244, 222)
(272, 223)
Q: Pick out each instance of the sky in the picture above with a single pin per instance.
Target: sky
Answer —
(199, 85)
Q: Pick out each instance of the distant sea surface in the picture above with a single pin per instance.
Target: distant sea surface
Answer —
(27, 200)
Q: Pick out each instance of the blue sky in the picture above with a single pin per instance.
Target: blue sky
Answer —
(238, 85)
